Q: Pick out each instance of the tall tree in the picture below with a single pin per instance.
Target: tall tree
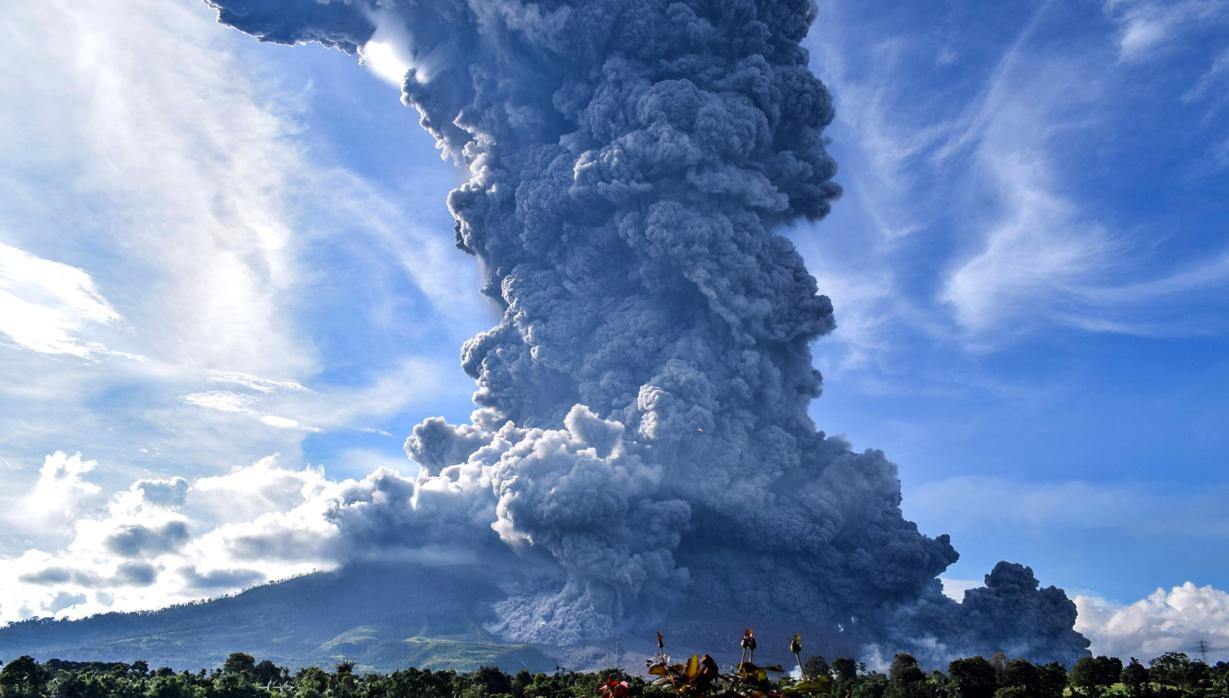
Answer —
(973, 677)
(239, 663)
(1171, 669)
(1051, 680)
(1094, 675)
(1135, 678)
(1023, 674)
(815, 666)
(905, 678)
(845, 668)
(23, 678)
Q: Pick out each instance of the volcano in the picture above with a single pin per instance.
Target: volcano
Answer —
(381, 616)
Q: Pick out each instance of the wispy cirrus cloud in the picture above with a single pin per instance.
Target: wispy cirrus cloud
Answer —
(1148, 26)
(1214, 76)
(972, 220)
(181, 203)
(49, 307)
(222, 401)
(1039, 255)
(140, 159)
(256, 383)
(291, 405)
(160, 200)
(1031, 247)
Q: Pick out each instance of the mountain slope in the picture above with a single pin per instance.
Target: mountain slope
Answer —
(381, 616)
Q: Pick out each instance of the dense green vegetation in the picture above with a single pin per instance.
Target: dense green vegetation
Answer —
(1172, 675)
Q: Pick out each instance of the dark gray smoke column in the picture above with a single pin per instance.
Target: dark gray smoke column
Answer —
(642, 449)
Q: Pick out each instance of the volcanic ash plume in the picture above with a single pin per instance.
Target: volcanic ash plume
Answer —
(641, 450)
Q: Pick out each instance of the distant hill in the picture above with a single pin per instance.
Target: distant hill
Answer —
(381, 616)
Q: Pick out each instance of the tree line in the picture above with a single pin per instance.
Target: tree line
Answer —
(1172, 675)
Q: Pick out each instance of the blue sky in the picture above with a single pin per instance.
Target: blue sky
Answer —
(213, 251)
(1033, 254)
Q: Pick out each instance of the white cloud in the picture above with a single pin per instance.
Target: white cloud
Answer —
(145, 158)
(168, 493)
(384, 54)
(448, 280)
(363, 460)
(45, 305)
(285, 423)
(1220, 152)
(153, 156)
(222, 401)
(1033, 258)
(1033, 248)
(882, 142)
(262, 385)
(1019, 247)
(954, 588)
(62, 490)
(1147, 26)
(1140, 34)
(193, 180)
(247, 492)
(1037, 257)
(329, 408)
(1145, 307)
(889, 147)
(1215, 74)
(159, 542)
(1163, 621)
(964, 220)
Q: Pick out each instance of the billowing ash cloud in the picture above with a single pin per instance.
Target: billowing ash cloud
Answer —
(641, 451)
